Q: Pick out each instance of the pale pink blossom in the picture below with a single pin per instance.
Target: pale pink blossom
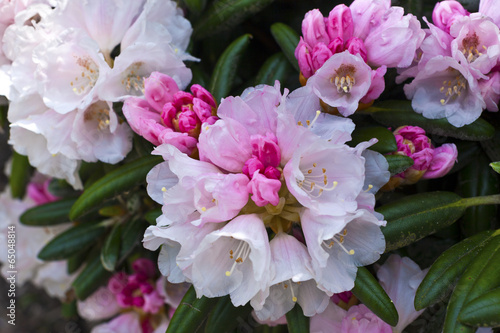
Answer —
(445, 13)
(489, 8)
(490, 90)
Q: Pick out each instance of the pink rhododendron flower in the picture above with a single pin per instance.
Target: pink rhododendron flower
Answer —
(445, 13)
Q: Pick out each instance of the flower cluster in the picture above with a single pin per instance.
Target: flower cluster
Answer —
(67, 64)
(271, 165)
(456, 73)
(336, 54)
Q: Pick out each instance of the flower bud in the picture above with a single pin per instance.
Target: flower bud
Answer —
(443, 160)
(445, 13)
(313, 28)
(339, 22)
(159, 89)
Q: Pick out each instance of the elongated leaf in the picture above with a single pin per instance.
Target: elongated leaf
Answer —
(91, 278)
(111, 249)
(467, 152)
(477, 179)
(386, 140)
(419, 215)
(400, 113)
(76, 261)
(225, 317)
(483, 310)
(370, 293)
(191, 313)
(296, 321)
(275, 68)
(491, 146)
(52, 213)
(495, 166)
(398, 163)
(225, 69)
(122, 179)
(447, 268)
(72, 241)
(482, 275)
(19, 175)
(288, 40)
(131, 235)
(224, 14)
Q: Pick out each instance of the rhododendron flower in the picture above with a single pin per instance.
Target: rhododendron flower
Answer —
(445, 13)
(281, 165)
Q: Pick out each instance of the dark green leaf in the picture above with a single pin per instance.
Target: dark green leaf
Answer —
(152, 215)
(370, 293)
(386, 140)
(224, 14)
(288, 40)
(91, 278)
(19, 175)
(400, 113)
(491, 146)
(131, 235)
(419, 215)
(111, 248)
(482, 275)
(119, 180)
(483, 310)
(398, 163)
(196, 6)
(76, 261)
(72, 241)
(225, 317)
(275, 68)
(495, 166)
(191, 313)
(225, 69)
(296, 321)
(446, 269)
(51, 213)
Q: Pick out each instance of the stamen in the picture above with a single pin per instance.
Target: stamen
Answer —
(309, 124)
(163, 189)
(370, 186)
(241, 254)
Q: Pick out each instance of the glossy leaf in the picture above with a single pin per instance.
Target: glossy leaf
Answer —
(288, 40)
(111, 249)
(400, 113)
(495, 166)
(398, 163)
(481, 276)
(483, 310)
(419, 215)
(131, 235)
(91, 278)
(275, 68)
(224, 14)
(370, 293)
(225, 69)
(76, 261)
(386, 140)
(225, 317)
(119, 180)
(72, 241)
(19, 175)
(191, 313)
(297, 322)
(446, 269)
(51, 213)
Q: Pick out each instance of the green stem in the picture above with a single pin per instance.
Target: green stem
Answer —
(480, 201)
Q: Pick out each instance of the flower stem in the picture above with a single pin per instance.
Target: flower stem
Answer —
(480, 201)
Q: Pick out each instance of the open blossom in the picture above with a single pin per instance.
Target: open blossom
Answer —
(270, 164)
(167, 115)
(428, 162)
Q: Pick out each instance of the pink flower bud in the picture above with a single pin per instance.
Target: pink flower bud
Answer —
(144, 266)
(266, 149)
(339, 22)
(313, 28)
(159, 89)
(117, 282)
(264, 190)
(202, 94)
(490, 90)
(320, 54)
(304, 58)
(182, 98)
(188, 122)
(39, 192)
(356, 46)
(272, 173)
(202, 109)
(442, 161)
(168, 113)
(336, 45)
(445, 13)
(377, 86)
(252, 165)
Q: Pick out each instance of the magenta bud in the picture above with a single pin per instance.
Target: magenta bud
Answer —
(339, 22)
(159, 89)
(356, 46)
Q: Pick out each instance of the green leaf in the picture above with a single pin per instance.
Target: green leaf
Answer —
(111, 248)
(297, 322)
(131, 235)
(19, 175)
(76, 261)
(91, 278)
(446, 269)
(275, 68)
(191, 313)
(398, 163)
(482, 311)
(195, 6)
(288, 40)
(386, 140)
(370, 293)
(477, 179)
(495, 166)
(225, 69)
(119, 180)
(225, 317)
(400, 113)
(152, 215)
(491, 146)
(72, 241)
(51, 213)
(419, 215)
(482, 275)
(225, 14)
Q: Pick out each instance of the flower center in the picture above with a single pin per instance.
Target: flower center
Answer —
(132, 79)
(239, 255)
(287, 284)
(98, 112)
(469, 47)
(452, 89)
(344, 78)
(339, 239)
(88, 77)
(316, 181)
